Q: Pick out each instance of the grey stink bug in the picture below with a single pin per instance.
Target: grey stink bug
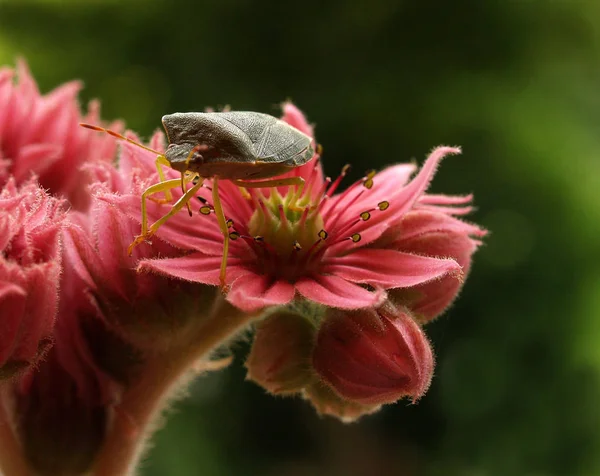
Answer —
(242, 147)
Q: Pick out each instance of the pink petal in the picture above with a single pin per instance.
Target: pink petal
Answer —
(61, 101)
(80, 256)
(448, 210)
(386, 185)
(446, 199)
(42, 304)
(420, 183)
(196, 267)
(35, 159)
(251, 292)
(112, 231)
(390, 269)
(430, 299)
(294, 117)
(185, 232)
(419, 222)
(337, 292)
(13, 299)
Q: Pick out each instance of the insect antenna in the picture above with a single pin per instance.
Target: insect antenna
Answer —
(119, 136)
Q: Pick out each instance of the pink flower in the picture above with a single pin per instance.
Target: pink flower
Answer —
(311, 242)
(30, 266)
(373, 357)
(148, 310)
(39, 135)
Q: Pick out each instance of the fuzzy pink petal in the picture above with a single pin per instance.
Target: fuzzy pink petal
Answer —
(35, 159)
(430, 299)
(401, 199)
(420, 183)
(386, 186)
(40, 283)
(294, 117)
(198, 232)
(251, 292)
(337, 292)
(446, 199)
(419, 222)
(448, 210)
(390, 269)
(13, 299)
(80, 255)
(133, 157)
(112, 232)
(60, 103)
(196, 267)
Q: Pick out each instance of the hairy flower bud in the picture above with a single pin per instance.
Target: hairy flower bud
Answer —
(373, 356)
(30, 266)
(39, 134)
(149, 311)
(279, 360)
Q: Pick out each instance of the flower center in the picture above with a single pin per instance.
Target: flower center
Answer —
(289, 224)
(288, 232)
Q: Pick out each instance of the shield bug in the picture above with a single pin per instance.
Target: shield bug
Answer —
(243, 147)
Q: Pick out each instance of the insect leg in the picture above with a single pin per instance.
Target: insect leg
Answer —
(185, 175)
(159, 162)
(157, 188)
(224, 229)
(178, 205)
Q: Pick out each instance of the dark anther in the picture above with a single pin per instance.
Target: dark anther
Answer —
(383, 205)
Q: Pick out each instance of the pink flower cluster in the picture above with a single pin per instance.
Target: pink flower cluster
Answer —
(357, 273)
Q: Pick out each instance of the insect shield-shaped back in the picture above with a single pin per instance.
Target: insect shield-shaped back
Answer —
(234, 145)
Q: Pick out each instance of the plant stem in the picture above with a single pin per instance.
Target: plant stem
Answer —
(142, 404)
(12, 462)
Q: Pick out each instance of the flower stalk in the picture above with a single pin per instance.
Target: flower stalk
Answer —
(12, 461)
(137, 414)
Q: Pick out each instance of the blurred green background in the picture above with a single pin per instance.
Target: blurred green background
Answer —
(516, 83)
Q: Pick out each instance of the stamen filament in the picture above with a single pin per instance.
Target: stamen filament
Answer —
(340, 177)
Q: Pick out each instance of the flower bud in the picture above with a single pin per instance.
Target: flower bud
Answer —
(30, 266)
(373, 356)
(327, 402)
(39, 134)
(149, 311)
(279, 360)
